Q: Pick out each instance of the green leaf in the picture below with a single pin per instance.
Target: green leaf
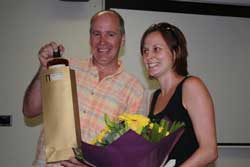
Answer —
(155, 133)
(176, 125)
(78, 154)
(164, 124)
(110, 124)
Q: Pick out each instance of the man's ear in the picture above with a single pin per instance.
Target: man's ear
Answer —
(123, 40)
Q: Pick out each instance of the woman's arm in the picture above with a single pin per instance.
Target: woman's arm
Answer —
(198, 102)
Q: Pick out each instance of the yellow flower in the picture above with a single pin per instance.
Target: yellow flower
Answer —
(151, 125)
(136, 122)
(143, 121)
(100, 136)
(160, 129)
(140, 124)
(135, 126)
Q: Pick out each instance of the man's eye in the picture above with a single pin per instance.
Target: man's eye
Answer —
(95, 34)
(111, 34)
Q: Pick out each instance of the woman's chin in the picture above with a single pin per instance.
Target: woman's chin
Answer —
(152, 73)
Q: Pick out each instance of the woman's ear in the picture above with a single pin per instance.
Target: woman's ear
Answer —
(174, 56)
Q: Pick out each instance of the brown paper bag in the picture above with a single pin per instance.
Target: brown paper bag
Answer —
(60, 113)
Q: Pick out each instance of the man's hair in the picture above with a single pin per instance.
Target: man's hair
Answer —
(121, 21)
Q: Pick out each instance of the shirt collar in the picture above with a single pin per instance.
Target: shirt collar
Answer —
(118, 71)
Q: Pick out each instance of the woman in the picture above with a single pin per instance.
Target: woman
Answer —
(180, 97)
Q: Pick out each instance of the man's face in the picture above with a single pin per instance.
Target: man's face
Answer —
(106, 39)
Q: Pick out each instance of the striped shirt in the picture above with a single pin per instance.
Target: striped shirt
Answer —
(113, 95)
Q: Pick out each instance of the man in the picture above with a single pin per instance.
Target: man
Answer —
(102, 84)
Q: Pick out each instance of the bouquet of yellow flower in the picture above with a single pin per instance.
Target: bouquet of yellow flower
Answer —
(132, 141)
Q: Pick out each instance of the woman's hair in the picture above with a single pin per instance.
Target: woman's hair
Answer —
(121, 21)
(176, 42)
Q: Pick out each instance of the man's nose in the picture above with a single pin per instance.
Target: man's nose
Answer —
(102, 39)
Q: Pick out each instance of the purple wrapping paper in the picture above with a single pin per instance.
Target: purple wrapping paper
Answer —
(131, 149)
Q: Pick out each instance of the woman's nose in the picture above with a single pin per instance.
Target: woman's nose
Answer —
(149, 55)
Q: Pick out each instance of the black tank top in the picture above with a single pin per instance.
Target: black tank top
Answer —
(175, 111)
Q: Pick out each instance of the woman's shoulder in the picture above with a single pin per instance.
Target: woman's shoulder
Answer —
(192, 81)
(194, 92)
(193, 84)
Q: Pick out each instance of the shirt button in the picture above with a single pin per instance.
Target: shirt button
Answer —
(92, 92)
(84, 111)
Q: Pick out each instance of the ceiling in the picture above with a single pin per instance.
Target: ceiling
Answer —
(226, 2)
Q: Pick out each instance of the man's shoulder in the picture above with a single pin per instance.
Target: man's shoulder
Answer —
(131, 79)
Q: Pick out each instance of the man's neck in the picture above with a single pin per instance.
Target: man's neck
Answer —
(105, 71)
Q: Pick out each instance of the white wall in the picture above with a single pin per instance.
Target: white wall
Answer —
(25, 26)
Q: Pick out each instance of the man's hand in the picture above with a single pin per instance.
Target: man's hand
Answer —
(46, 53)
(72, 162)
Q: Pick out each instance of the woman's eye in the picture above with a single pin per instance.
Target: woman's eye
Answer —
(157, 49)
(144, 51)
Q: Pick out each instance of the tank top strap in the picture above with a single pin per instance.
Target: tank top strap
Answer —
(153, 101)
(179, 87)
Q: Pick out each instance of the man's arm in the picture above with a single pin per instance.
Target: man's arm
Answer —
(32, 102)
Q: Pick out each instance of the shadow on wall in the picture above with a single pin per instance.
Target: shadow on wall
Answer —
(212, 165)
(32, 122)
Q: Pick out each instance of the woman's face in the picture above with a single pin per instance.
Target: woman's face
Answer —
(157, 57)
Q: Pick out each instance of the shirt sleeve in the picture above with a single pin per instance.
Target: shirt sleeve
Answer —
(137, 101)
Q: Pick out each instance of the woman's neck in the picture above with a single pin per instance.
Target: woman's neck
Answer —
(169, 82)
